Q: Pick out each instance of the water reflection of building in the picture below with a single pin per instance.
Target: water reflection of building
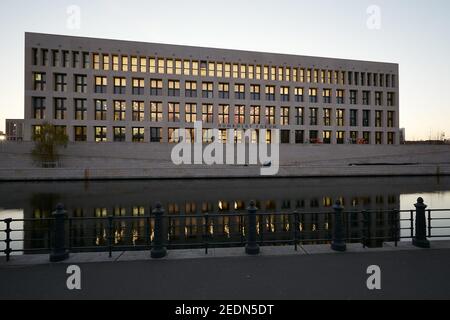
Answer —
(186, 222)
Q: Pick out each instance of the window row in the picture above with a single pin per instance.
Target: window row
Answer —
(169, 66)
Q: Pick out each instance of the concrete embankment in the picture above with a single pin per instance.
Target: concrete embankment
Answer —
(91, 161)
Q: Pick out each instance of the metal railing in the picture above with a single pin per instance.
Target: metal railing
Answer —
(61, 235)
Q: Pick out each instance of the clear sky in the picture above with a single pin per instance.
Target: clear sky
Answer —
(413, 33)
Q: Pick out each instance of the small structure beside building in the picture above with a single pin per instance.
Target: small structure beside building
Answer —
(14, 129)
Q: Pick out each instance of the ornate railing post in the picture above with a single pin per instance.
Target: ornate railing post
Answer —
(158, 249)
(420, 240)
(338, 243)
(59, 251)
(252, 247)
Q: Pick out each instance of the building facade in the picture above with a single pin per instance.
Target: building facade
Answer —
(14, 129)
(102, 90)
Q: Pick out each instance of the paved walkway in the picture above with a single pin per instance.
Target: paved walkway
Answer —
(314, 272)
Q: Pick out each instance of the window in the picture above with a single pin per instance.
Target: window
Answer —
(155, 134)
(243, 71)
(284, 94)
(60, 82)
(44, 57)
(255, 115)
(119, 134)
(96, 59)
(173, 135)
(340, 117)
(366, 98)
(378, 98)
(60, 108)
(239, 91)
(251, 72)
(100, 109)
(270, 93)
(313, 116)
(156, 111)
(170, 66)
(203, 68)
(353, 96)
(124, 63)
(390, 119)
(239, 114)
(391, 99)
(326, 95)
(211, 69)
(80, 133)
(115, 60)
(224, 91)
(106, 62)
(80, 109)
(120, 109)
(100, 134)
(299, 136)
(378, 118)
(340, 137)
(138, 86)
(235, 71)
(191, 112)
(270, 115)
(174, 88)
(138, 111)
(86, 62)
(161, 66)
(191, 89)
(313, 136)
(152, 65)
(353, 137)
(266, 73)
(326, 137)
(313, 95)
(207, 90)
(366, 118)
(224, 114)
(378, 137)
(156, 87)
(120, 85)
(302, 75)
(353, 118)
(219, 70)
(138, 134)
(55, 58)
(143, 64)
(299, 116)
(80, 83)
(285, 136)
(207, 113)
(35, 57)
(308, 75)
(134, 64)
(268, 137)
(391, 138)
(100, 84)
(207, 135)
(195, 68)
(327, 117)
(255, 92)
(340, 96)
(299, 94)
(284, 118)
(38, 108)
(366, 137)
(178, 67)
(39, 81)
(76, 59)
(227, 70)
(174, 112)
(37, 131)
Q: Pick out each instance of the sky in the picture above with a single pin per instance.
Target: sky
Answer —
(413, 33)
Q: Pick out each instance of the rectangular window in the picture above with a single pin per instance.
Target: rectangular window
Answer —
(156, 111)
(80, 83)
(224, 114)
(255, 92)
(313, 116)
(284, 117)
(270, 93)
(86, 62)
(340, 96)
(354, 137)
(80, 133)
(44, 57)
(96, 59)
(120, 108)
(35, 57)
(299, 94)
(366, 98)
(155, 134)
(239, 114)
(313, 136)
(55, 58)
(227, 70)
(207, 90)
(211, 69)
(60, 108)
(366, 137)
(326, 95)
(152, 65)
(207, 113)
(224, 91)
(340, 119)
(313, 95)
(119, 134)
(353, 96)
(378, 118)
(138, 111)
(378, 98)
(391, 99)
(39, 81)
(100, 84)
(38, 108)
(285, 136)
(115, 61)
(353, 118)
(80, 109)
(326, 137)
(284, 94)
(173, 135)
(391, 138)
(270, 115)
(161, 66)
(60, 82)
(340, 137)
(366, 118)
(239, 91)
(138, 134)
(391, 119)
(134, 64)
(101, 109)
(299, 116)
(219, 70)
(266, 73)
(255, 115)
(120, 85)
(170, 66)
(174, 88)
(156, 87)
(378, 137)
(174, 112)
(106, 62)
(327, 117)
(191, 89)
(190, 112)
(75, 59)
(178, 67)
(299, 136)
(195, 68)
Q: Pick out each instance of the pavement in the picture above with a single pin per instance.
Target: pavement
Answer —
(278, 273)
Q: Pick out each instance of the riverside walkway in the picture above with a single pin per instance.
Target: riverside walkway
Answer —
(314, 272)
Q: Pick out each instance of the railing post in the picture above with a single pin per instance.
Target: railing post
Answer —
(252, 247)
(8, 238)
(110, 235)
(420, 240)
(59, 251)
(338, 243)
(158, 249)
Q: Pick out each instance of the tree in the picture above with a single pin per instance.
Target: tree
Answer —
(47, 141)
